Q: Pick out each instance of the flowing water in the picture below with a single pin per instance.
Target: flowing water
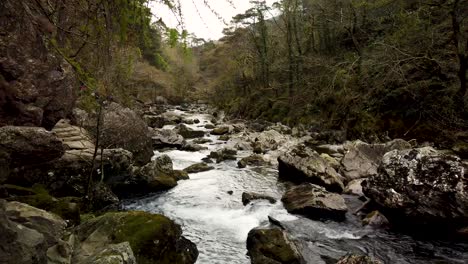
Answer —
(218, 223)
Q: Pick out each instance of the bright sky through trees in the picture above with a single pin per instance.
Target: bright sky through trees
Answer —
(210, 27)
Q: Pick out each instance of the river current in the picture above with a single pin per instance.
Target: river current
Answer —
(218, 223)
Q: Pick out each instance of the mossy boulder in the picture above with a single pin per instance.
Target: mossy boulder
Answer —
(272, 246)
(220, 130)
(198, 167)
(153, 238)
(67, 208)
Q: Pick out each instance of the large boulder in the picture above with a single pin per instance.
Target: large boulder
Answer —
(153, 238)
(123, 128)
(68, 175)
(362, 159)
(20, 244)
(28, 233)
(29, 145)
(189, 133)
(37, 86)
(305, 165)
(272, 246)
(165, 138)
(223, 154)
(73, 137)
(121, 253)
(314, 202)
(419, 187)
(158, 175)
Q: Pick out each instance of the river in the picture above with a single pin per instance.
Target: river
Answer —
(218, 223)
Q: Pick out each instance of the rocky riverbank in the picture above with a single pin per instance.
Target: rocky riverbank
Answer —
(396, 184)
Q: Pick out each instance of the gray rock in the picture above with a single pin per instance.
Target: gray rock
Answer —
(165, 138)
(123, 128)
(39, 87)
(158, 175)
(190, 146)
(305, 165)
(314, 202)
(248, 197)
(223, 154)
(111, 254)
(354, 187)
(188, 133)
(362, 159)
(272, 246)
(29, 145)
(420, 187)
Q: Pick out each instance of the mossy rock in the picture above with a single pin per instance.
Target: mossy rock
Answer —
(198, 167)
(153, 238)
(67, 207)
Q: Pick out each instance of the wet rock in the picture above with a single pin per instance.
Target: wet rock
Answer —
(198, 167)
(165, 138)
(220, 131)
(190, 146)
(124, 129)
(223, 154)
(272, 246)
(196, 121)
(252, 160)
(158, 175)
(38, 87)
(188, 133)
(421, 187)
(362, 159)
(248, 197)
(180, 175)
(153, 238)
(224, 137)
(209, 126)
(304, 165)
(354, 187)
(188, 121)
(357, 259)
(230, 192)
(376, 219)
(29, 145)
(314, 202)
(102, 196)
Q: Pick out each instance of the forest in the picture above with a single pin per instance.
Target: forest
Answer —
(311, 131)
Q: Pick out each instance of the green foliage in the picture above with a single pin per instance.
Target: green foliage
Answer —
(368, 67)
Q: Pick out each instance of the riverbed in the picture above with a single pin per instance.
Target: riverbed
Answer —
(208, 206)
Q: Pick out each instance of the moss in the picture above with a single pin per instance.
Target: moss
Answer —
(152, 237)
(38, 196)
